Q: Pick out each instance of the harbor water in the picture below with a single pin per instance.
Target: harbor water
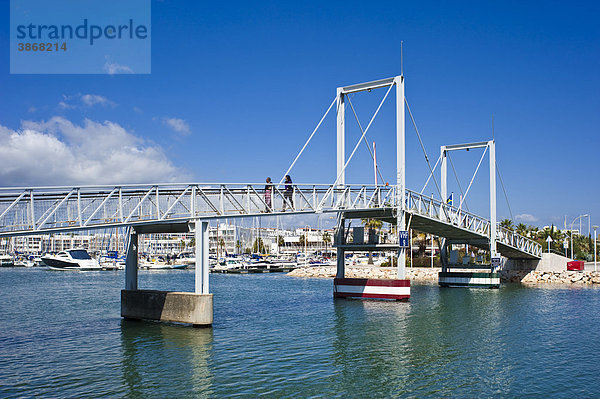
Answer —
(61, 335)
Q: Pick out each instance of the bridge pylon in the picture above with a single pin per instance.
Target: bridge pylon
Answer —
(478, 274)
(398, 288)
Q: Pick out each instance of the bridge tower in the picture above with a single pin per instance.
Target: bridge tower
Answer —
(398, 288)
(486, 275)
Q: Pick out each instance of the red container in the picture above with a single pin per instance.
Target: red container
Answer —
(576, 265)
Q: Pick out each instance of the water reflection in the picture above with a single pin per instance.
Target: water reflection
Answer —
(456, 341)
(370, 344)
(170, 359)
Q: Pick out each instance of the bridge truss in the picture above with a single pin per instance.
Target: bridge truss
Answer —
(44, 210)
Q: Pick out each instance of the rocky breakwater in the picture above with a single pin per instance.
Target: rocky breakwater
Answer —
(552, 277)
(374, 272)
(418, 274)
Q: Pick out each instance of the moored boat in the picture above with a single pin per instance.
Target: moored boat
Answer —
(6, 261)
(72, 259)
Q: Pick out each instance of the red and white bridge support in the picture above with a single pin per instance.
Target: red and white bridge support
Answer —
(396, 289)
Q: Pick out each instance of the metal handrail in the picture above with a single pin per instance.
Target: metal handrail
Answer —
(509, 237)
(437, 209)
(49, 209)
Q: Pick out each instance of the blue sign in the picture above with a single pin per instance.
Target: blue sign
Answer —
(403, 239)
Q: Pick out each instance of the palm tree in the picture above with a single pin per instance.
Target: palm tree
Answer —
(326, 239)
(521, 229)
(259, 246)
(280, 243)
(533, 232)
(238, 246)
(222, 243)
(422, 242)
(507, 224)
(373, 225)
(302, 241)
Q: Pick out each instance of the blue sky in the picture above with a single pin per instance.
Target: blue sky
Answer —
(236, 89)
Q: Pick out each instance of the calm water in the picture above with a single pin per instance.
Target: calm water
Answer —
(277, 336)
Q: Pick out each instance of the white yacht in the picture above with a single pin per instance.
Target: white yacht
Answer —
(229, 264)
(23, 262)
(6, 261)
(72, 259)
(188, 258)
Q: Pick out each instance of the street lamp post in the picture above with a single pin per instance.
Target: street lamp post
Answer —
(573, 222)
(595, 251)
(431, 251)
(306, 243)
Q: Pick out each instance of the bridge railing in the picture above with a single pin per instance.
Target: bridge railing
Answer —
(47, 209)
(438, 210)
(524, 244)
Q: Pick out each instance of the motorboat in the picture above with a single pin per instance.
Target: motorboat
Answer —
(72, 259)
(160, 263)
(162, 266)
(229, 264)
(112, 261)
(6, 261)
(23, 262)
(187, 258)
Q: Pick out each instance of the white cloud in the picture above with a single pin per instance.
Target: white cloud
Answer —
(113, 68)
(65, 105)
(86, 100)
(94, 99)
(526, 217)
(59, 152)
(178, 125)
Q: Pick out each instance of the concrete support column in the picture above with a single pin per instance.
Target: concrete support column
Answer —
(201, 257)
(443, 254)
(131, 263)
(341, 263)
(341, 254)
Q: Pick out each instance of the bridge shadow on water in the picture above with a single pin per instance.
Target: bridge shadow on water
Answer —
(165, 358)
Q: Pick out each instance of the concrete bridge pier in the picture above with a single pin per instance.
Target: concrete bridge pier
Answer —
(180, 307)
(341, 253)
(443, 253)
(131, 262)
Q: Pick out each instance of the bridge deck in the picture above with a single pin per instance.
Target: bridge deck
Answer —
(43, 210)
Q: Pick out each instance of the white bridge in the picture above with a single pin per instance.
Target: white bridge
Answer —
(158, 208)
(44, 210)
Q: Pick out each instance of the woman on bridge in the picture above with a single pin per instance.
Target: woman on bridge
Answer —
(269, 195)
(288, 193)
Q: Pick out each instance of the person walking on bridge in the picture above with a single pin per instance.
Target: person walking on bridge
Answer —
(288, 193)
(269, 195)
